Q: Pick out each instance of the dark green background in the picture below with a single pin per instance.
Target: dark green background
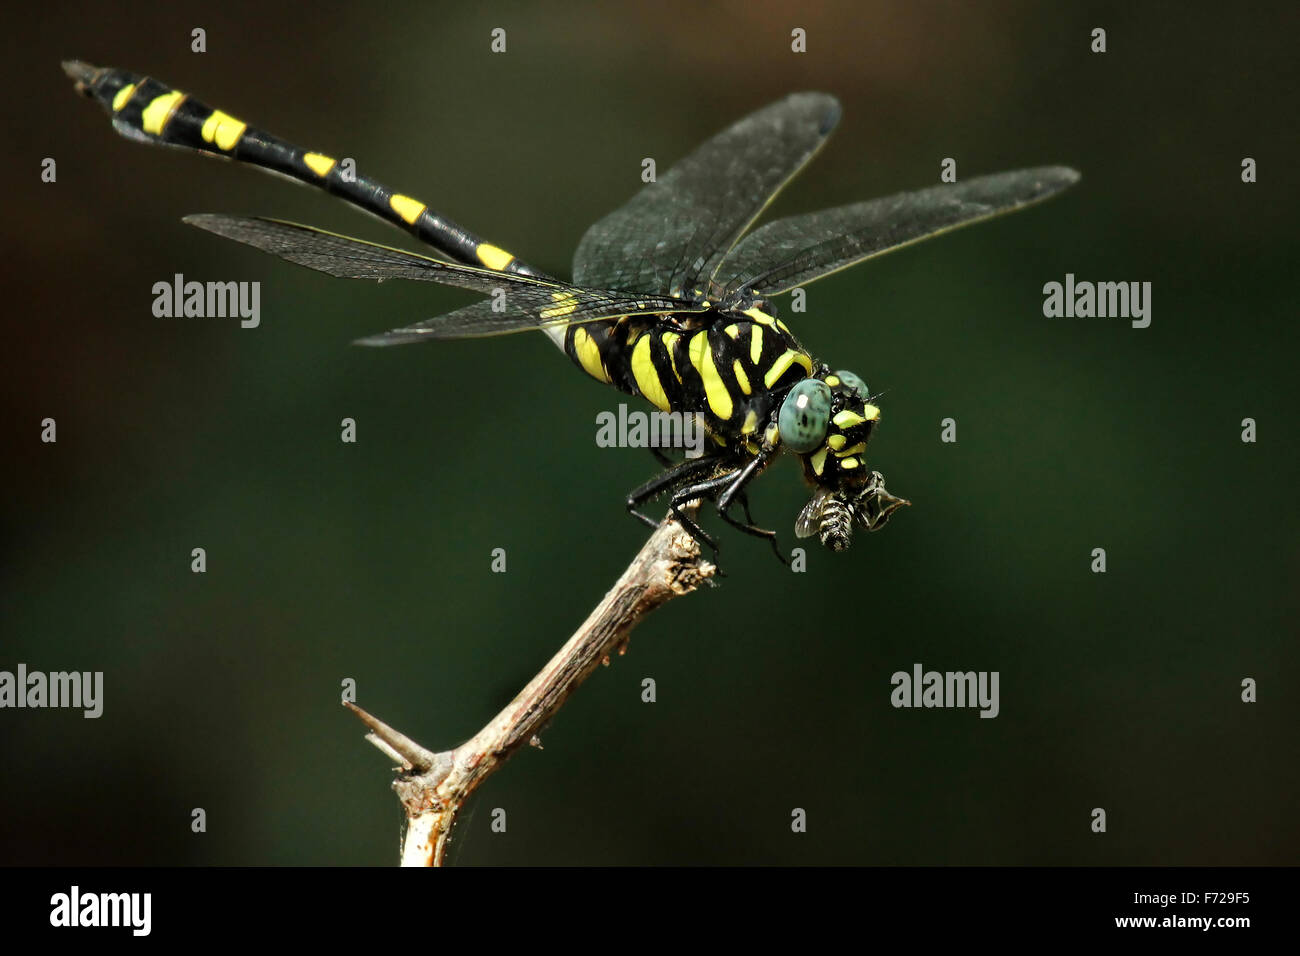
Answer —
(371, 561)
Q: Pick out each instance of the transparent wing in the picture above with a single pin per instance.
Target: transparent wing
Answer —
(809, 521)
(517, 302)
(518, 310)
(672, 235)
(794, 251)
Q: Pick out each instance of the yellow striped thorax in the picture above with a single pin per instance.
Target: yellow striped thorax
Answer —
(730, 369)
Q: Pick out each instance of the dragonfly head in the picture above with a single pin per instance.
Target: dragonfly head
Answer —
(827, 420)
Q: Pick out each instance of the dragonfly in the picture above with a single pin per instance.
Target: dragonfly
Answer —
(671, 297)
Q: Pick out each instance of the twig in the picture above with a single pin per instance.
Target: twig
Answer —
(434, 786)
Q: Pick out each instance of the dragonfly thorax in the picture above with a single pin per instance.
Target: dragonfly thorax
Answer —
(731, 370)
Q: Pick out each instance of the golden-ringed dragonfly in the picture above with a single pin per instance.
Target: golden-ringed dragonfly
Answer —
(671, 293)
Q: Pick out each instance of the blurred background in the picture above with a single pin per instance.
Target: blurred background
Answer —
(371, 561)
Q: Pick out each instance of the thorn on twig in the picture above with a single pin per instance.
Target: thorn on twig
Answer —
(392, 754)
(394, 743)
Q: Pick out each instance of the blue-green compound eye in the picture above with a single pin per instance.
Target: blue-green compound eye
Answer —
(805, 414)
(855, 383)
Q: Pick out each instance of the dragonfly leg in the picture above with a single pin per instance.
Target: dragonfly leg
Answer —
(676, 476)
(724, 490)
(707, 490)
(749, 527)
(735, 493)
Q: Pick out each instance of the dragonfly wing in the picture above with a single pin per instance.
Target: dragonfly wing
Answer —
(672, 235)
(350, 258)
(519, 311)
(517, 303)
(799, 249)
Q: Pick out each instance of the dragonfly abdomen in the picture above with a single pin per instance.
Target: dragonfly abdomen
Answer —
(150, 111)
